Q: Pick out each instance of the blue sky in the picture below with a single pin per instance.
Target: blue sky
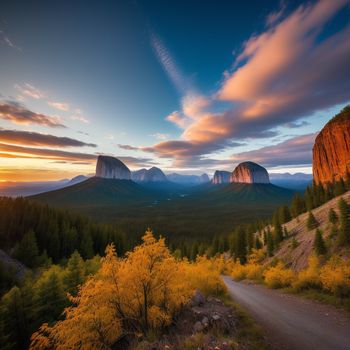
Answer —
(189, 86)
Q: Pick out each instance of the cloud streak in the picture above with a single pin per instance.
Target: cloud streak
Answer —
(38, 139)
(18, 114)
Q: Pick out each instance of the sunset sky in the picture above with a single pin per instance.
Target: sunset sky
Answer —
(188, 86)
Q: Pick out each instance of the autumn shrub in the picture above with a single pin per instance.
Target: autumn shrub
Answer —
(278, 276)
(254, 271)
(134, 295)
(308, 278)
(335, 277)
(204, 275)
(239, 272)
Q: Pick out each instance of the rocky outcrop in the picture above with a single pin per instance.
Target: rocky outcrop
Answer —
(221, 177)
(331, 151)
(112, 168)
(249, 172)
(204, 178)
(153, 174)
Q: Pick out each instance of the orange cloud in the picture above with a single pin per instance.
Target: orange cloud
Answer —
(18, 114)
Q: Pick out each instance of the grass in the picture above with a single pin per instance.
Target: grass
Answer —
(312, 294)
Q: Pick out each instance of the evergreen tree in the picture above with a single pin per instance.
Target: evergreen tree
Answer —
(309, 199)
(270, 244)
(284, 214)
(277, 233)
(241, 246)
(49, 297)
(339, 187)
(86, 245)
(258, 244)
(14, 332)
(74, 273)
(332, 216)
(319, 244)
(344, 220)
(311, 222)
(297, 206)
(27, 250)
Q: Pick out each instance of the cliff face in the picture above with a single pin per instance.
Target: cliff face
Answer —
(153, 174)
(249, 172)
(112, 168)
(221, 177)
(331, 151)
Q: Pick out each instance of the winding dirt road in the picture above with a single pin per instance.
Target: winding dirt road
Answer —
(291, 322)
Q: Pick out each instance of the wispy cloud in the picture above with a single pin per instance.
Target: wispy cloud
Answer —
(5, 40)
(18, 114)
(30, 91)
(78, 116)
(160, 136)
(62, 106)
(38, 139)
(169, 65)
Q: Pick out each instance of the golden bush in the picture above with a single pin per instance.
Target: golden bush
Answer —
(278, 276)
(310, 277)
(335, 277)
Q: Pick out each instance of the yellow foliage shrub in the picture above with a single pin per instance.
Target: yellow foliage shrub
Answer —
(335, 277)
(309, 277)
(204, 275)
(254, 271)
(278, 276)
(239, 272)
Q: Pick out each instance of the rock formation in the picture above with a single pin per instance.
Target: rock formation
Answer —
(331, 151)
(249, 172)
(204, 178)
(153, 174)
(112, 168)
(221, 177)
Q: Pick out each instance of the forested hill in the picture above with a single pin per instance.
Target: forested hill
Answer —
(32, 232)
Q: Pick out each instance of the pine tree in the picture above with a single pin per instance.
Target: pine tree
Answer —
(344, 220)
(309, 199)
(13, 321)
(332, 216)
(86, 245)
(258, 244)
(298, 205)
(241, 246)
(270, 244)
(339, 187)
(311, 222)
(74, 273)
(319, 244)
(284, 214)
(27, 251)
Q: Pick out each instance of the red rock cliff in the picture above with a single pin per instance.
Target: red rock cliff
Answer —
(331, 151)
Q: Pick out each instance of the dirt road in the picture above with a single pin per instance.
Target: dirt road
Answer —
(291, 322)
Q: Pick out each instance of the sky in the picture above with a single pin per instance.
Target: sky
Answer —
(189, 86)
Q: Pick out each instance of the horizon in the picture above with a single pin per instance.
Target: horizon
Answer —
(79, 81)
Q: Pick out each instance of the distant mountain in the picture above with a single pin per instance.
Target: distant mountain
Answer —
(153, 174)
(18, 189)
(189, 180)
(297, 181)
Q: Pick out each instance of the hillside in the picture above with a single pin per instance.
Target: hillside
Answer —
(173, 211)
(297, 228)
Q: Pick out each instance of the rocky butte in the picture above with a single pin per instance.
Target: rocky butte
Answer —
(153, 174)
(331, 151)
(250, 173)
(112, 168)
(221, 177)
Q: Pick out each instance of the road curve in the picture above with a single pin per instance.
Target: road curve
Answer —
(291, 322)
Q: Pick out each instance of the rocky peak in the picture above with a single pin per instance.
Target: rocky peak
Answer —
(249, 172)
(331, 151)
(204, 178)
(153, 174)
(112, 168)
(221, 177)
